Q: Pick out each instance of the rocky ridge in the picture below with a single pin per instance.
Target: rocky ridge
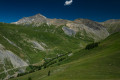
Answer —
(112, 25)
(84, 27)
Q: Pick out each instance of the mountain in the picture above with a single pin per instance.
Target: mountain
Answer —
(38, 18)
(99, 63)
(21, 46)
(89, 28)
(39, 43)
(112, 25)
(84, 28)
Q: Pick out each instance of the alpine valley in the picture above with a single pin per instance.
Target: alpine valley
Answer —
(40, 48)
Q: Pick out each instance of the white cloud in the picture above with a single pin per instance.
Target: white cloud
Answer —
(68, 2)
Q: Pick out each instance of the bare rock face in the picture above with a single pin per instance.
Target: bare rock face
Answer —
(91, 24)
(14, 59)
(37, 45)
(57, 22)
(87, 27)
(37, 19)
(10, 61)
(69, 31)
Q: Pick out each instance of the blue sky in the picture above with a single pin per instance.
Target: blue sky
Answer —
(97, 10)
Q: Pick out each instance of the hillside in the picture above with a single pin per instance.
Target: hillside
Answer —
(112, 25)
(21, 46)
(100, 63)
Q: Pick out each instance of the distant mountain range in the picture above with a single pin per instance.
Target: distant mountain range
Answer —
(111, 25)
(83, 27)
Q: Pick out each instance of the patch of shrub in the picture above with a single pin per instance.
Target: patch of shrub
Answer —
(92, 45)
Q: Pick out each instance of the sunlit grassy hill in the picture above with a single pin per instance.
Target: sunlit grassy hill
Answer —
(100, 63)
(31, 45)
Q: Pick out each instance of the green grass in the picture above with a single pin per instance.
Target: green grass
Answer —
(52, 36)
(56, 40)
(100, 63)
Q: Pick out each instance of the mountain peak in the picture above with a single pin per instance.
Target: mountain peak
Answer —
(38, 18)
(39, 15)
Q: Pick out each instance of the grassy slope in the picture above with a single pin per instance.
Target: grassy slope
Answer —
(101, 63)
(54, 38)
